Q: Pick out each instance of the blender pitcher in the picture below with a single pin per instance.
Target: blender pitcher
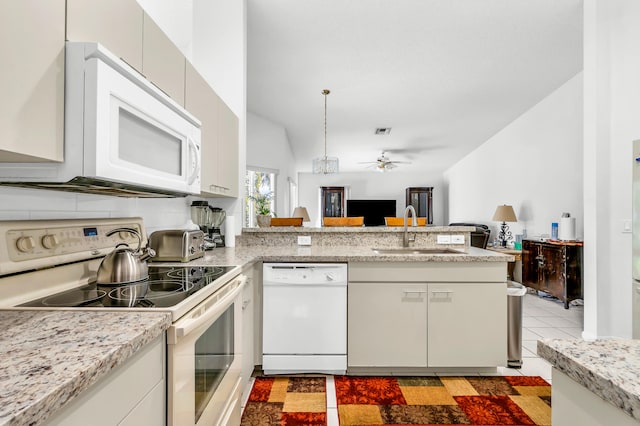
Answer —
(201, 216)
(217, 217)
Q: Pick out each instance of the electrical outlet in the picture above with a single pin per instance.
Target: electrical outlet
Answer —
(457, 239)
(304, 240)
(444, 239)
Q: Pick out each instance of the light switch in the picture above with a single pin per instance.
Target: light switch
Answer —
(444, 239)
(457, 239)
(304, 240)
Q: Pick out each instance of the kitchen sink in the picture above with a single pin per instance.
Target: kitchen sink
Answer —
(410, 250)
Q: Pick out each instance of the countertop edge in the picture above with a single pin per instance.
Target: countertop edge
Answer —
(38, 410)
(616, 392)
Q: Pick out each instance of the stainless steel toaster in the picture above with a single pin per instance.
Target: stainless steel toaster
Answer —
(177, 245)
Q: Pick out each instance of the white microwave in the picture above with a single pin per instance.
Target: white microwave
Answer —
(123, 136)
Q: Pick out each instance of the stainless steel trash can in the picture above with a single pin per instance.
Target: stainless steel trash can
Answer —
(515, 293)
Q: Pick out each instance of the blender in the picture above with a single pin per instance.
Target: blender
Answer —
(201, 216)
(217, 217)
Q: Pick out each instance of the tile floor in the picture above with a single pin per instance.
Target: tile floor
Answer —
(543, 317)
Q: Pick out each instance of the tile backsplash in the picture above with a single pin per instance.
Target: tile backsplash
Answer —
(26, 204)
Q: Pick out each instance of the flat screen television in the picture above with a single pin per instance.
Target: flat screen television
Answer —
(374, 211)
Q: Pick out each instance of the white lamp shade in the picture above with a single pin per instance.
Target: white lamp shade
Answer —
(301, 212)
(504, 213)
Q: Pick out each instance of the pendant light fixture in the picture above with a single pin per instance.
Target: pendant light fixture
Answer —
(325, 165)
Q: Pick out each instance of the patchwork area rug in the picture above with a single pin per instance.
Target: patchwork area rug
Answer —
(290, 401)
(470, 400)
(487, 400)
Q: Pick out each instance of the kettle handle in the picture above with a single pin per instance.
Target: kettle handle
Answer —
(129, 230)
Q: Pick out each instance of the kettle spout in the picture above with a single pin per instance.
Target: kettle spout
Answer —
(146, 254)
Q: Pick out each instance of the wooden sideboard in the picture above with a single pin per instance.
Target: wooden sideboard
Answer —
(554, 267)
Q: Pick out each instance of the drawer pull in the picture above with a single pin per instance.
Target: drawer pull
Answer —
(414, 291)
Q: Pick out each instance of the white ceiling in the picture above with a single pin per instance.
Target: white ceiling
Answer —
(445, 75)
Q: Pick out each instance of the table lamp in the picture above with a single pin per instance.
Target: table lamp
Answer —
(301, 212)
(504, 214)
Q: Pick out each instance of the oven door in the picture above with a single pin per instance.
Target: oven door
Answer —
(204, 362)
(124, 124)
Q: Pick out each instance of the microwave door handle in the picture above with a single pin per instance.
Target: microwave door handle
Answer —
(193, 153)
(184, 327)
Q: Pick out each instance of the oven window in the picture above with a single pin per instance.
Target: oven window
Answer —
(140, 142)
(214, 354)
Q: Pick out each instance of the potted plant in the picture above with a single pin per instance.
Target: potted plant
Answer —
(262, 203)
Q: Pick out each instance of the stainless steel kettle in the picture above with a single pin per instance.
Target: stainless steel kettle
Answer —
(125, 265)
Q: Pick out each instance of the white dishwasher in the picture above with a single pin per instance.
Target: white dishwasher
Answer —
(304, 318)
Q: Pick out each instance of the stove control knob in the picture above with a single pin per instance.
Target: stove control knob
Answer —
(50, 241)
(25, 244)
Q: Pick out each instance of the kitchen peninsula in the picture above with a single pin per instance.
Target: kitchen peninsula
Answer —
(474, 273)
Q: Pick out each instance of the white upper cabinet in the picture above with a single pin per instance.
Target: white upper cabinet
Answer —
(219, 174)
(116, 24)
(32, 81)
(162, 62)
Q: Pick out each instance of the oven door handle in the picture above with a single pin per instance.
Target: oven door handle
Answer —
(207, 312)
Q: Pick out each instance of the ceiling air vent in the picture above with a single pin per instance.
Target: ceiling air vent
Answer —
(383, 130)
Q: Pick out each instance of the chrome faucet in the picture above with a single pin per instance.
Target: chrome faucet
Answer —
(414, 223)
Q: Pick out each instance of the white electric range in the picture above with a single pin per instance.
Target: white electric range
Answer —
(52, 265)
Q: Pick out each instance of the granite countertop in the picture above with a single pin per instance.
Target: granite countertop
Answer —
(34, 382)
(50, 357)
(355, 229)
(609, 368)
(243, 255)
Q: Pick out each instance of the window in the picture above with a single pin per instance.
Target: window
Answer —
(260, 189)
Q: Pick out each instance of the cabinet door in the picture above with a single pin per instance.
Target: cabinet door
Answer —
(387, 325)
(467, 325)
(248, 303)
(32, 80)
(116, 24)
(530, 264)
(162, 62)
(228, 151)
(552, 271)
(201, 101)
(421, 200)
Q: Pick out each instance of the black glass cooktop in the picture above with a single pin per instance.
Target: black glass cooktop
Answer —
(166, 287)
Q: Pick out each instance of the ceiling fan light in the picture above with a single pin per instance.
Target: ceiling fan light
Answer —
(325, 165)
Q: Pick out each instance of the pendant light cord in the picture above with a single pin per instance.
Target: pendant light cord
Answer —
(325, 92)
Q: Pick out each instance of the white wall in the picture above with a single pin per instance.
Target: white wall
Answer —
(176, 20)
(611, 111)
(534, 164)
(370, 186)
(268, 147)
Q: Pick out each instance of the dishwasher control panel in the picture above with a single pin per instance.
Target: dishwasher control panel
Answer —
(305, 273)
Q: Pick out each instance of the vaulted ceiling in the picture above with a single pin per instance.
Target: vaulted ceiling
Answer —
(444, 75)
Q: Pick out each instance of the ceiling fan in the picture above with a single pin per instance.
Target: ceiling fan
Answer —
(383, 163)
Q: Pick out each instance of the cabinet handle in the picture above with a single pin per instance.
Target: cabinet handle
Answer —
(442, 292)
(414, 291)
